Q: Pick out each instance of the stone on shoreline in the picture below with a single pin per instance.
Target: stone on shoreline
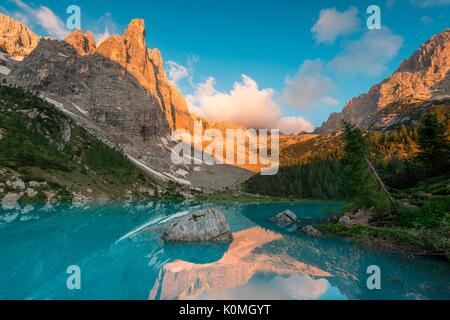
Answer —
(10, 200)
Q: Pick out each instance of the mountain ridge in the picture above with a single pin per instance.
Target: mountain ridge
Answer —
(421, 77)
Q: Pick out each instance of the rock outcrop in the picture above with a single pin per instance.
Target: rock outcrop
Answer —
(146, 65)
(83, 43)
(205, 225)
(424, 76)
(360, 217)
(16, 39)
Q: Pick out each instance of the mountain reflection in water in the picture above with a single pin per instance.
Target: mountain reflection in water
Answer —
(240, 265)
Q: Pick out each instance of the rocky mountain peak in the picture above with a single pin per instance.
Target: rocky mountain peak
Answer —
(83, 43)
(16, 39)
(437, 46)
(136, 30)
(147, 67)
(424, 76)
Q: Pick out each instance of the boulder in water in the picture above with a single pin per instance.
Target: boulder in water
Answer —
(285, 217)
(204, 225)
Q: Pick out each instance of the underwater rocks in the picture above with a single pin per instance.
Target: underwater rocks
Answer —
(204, 225)
(311, 231)
(285, 217)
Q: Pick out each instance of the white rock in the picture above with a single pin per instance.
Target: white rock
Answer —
(34, 184)
(10, 201)
(31, 192)
(17, 184)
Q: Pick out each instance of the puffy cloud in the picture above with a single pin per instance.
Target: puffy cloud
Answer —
(309, 87)
(293, 125)
(44, 17)
(333, 24)
(369, 54)
(245, 104)
(176, 71)
(430, 3)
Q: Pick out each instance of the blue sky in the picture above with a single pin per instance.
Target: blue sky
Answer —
(301, 59)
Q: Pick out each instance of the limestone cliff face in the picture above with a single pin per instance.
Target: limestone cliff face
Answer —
(16, 39)
(83, 43)
(131, 52)
(424, 76)
(93, 89)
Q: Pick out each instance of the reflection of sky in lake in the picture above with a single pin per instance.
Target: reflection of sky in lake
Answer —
(263, 287)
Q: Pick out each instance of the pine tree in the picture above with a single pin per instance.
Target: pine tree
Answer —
(434, 147)
(361, 183)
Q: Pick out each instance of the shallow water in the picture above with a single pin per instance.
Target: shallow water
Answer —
(121, 256)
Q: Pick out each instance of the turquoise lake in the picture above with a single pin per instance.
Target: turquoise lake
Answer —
(118, 249)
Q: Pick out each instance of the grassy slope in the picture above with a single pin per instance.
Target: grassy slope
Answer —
(40, 143)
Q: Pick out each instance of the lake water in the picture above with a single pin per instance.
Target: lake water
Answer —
(121, 256)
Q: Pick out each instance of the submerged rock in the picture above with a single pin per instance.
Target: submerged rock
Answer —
(285, 217)
(204, 225)
(311, 231)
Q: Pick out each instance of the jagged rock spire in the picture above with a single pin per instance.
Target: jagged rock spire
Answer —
(83, 43)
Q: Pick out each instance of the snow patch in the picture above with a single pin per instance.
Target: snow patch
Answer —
(146, 167)
(59, 105)
(4, 70)
(80, 109)
(182, 172)
(179, 180)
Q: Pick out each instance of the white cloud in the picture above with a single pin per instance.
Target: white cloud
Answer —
(333, 24)
(103, 28)
(294, 125)
(245, 104)
(369, 54)
(176, 71)
(309, 87)
(426, 20)
(44, 17)
(430, 3)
